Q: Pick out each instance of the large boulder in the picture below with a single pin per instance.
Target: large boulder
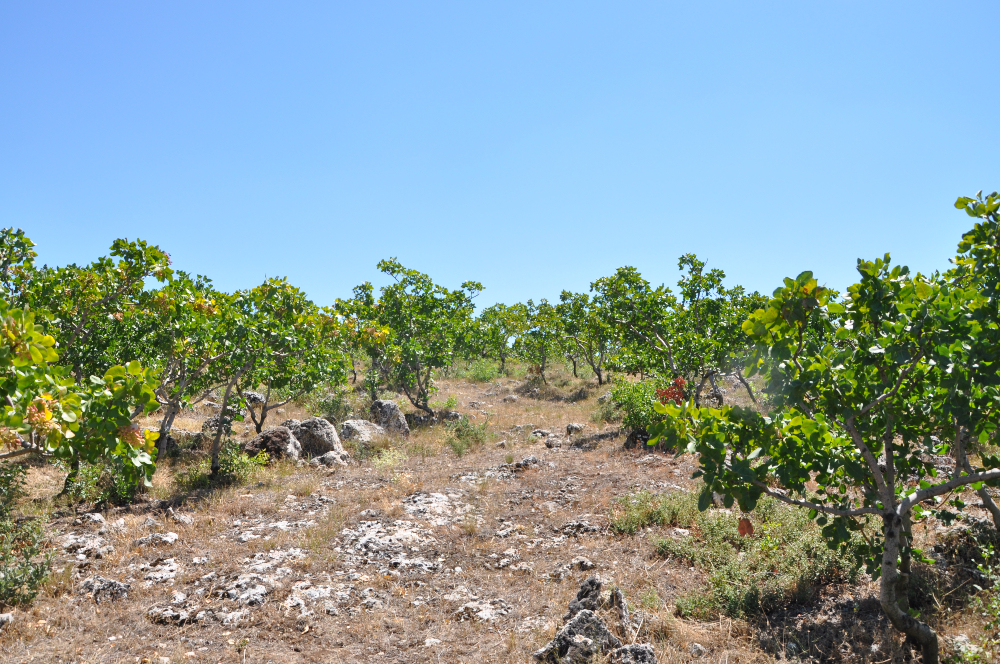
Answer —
(317, 437)
(579, 641)
(387, 415)
(279, 443)
(362, 432)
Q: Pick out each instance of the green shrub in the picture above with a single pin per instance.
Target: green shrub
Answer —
(24, 564)
(606, 411)
(336, 405)
(482, 371)
(635, 400)
(785, 560)
(387, 459)
(85, 486)
(235, 467)
(463, 435)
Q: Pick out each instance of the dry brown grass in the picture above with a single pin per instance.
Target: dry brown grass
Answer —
(568, 485)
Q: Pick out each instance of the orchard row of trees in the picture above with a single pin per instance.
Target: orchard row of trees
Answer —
(867, 388)
(89, 349)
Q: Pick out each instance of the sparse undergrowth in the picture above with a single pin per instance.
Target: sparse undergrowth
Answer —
(785, 560)
(24, 562)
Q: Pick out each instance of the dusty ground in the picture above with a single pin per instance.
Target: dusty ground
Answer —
(440, 558)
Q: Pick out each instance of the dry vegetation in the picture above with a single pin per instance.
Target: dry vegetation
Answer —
(408, 614)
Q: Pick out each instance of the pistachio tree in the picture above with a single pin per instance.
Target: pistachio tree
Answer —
(414, 328)
(185, 343)
(496, 328)
(99, 311)
(586, 330)
(697, 335)
(542, 335)
(858, 387)
(299, 350)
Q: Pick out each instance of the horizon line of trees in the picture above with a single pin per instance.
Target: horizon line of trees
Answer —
(173, 339)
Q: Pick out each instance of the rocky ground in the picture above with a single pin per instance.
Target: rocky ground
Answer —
(420, 555)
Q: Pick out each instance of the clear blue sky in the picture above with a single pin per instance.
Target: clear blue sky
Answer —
(530, 146)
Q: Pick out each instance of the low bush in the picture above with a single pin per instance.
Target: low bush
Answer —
(636, 401)
(463, 435)
(235, 467)
(387, 459)
(449, 404)
(607, 411)
(336, 406)
(24, 563)
(785, 560)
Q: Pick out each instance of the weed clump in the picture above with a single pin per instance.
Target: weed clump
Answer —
(386, 460)
(632, 513)
(463, 435)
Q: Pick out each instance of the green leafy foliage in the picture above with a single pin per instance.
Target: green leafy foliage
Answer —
(235, 467)
(541, 337)
(637, 401)
(634, 512)
(413, 329)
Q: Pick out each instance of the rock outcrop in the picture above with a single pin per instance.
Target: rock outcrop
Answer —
(317, 437)
(362, 432)
(279, 443)
(387, 415)
(579, 641)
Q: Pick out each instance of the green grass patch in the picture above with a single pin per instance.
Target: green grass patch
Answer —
(632, 513)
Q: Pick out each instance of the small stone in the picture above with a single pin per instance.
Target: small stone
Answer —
(94, 517)
(180, 518)
(588, 597)
(5, 620)
(635, 653)
(510, 398)
(583, 564)
(330, 459)
(482, 611)
(431, 642)
(103, 588)
(156, 539)
(573, 427)
(697, 650)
